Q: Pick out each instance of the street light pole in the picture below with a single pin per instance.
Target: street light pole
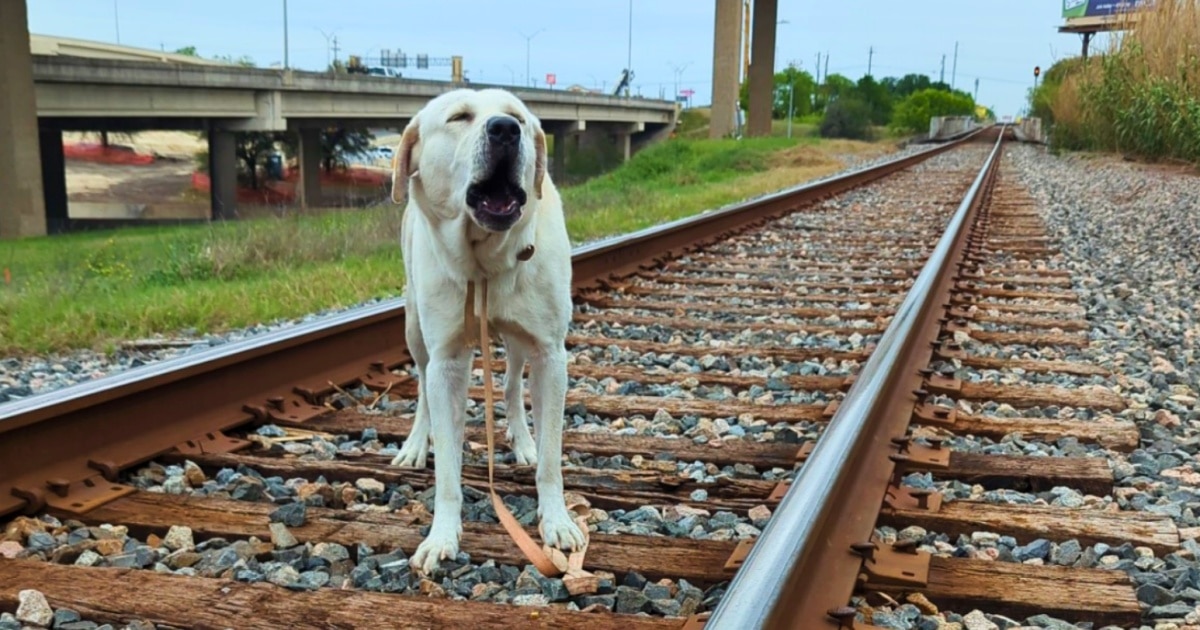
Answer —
(528, 39)
(285, 37)
(629, 52)
(791, 105)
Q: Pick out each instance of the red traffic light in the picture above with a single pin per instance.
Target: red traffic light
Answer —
(1037, 70)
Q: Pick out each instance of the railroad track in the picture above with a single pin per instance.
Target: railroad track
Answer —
(249, 487)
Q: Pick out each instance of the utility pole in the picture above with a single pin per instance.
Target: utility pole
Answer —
(117, 21)
(954, 69)
(942, 76)
(826, 65)
(285, 37)
(818, 68)
(976, 89)
(335, 50)
(870, 58)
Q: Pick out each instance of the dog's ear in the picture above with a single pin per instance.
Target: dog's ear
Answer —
(402, 162)
(539, 170)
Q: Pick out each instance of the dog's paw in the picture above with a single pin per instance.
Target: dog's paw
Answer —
(413, 453)
(523, 447)
(438, 546)
(559, 530)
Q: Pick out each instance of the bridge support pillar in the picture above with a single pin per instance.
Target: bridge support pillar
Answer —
(727, 57)
(566, 140)
(762, 68)
(625, 144)
(310, 167)
(222, 170)
(54, 181)
(22, 208)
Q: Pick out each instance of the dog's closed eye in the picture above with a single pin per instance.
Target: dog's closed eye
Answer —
(463, 116)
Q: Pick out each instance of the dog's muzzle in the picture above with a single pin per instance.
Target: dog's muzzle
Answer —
(496, 199)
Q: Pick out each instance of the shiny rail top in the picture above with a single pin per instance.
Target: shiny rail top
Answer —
(788, 559)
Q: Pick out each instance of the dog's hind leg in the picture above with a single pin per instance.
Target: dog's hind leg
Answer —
(448, 373)
(548, 386)
(514, 401)
(415, 449)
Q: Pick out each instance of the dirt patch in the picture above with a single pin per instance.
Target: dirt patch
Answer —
(161, 181)
(801, 156)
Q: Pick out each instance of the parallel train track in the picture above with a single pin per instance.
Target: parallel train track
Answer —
(708, 357)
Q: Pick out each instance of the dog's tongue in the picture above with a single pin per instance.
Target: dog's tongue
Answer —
(503, 204)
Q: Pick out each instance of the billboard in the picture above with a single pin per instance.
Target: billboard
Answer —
(1098, 8)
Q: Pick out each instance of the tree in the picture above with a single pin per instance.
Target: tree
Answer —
(790, 77)
(914, 112)
(877, 99)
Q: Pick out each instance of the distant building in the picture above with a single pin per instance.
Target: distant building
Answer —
(69, 47)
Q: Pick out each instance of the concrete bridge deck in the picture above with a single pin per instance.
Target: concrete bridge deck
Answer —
(253, 99)
(94, 93)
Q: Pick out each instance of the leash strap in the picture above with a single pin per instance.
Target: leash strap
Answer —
(550, 562)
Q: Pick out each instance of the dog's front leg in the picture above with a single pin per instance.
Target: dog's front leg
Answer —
(548, 386)
(447, 392)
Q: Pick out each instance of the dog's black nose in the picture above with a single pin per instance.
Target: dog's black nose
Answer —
(503, 130)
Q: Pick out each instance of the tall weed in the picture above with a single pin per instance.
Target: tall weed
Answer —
(1141, 97)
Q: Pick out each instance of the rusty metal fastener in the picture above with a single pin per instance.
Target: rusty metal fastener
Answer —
(925, 371)
(276, 402)
(921, 393)
(922, 496)
(907, 546)
(864, 549)
(377, 366)
(902, 442)
(941, 412)
(844, 616)
(59, 486)
(935, 442)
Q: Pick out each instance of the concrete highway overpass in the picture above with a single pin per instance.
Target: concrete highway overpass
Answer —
(42, 95)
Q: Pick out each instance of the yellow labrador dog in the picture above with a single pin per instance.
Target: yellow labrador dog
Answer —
(471, 170)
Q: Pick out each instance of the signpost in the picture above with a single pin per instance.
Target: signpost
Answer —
(687, 93)
(1088, 17)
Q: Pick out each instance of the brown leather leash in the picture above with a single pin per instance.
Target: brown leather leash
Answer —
(549, 561)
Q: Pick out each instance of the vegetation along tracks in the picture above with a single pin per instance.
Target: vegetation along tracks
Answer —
(708, 356)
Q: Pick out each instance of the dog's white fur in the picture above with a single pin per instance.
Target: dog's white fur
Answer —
(529, 304)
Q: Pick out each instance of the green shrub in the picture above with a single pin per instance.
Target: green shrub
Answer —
(847, 118)
(914, 112)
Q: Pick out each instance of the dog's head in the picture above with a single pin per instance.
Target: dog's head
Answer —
(479, 153)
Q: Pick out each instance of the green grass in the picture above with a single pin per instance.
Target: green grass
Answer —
(95, 289)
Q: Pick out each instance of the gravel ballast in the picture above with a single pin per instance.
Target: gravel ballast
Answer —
(1130, 236)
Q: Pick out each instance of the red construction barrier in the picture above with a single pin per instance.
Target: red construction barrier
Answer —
(271, 193)
(90, 152)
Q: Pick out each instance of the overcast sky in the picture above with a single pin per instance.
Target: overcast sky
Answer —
(587, 42)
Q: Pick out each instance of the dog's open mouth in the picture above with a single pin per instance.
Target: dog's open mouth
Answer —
(497, 200)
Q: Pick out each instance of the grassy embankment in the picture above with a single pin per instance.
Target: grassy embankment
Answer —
(95, 289)
(1141, 97)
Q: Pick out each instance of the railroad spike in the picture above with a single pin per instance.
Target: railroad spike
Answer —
(922, 496)
(845, 617)
(864, 549)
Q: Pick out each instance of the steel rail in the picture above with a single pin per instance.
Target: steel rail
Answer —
(59, 447)
(801, 566)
